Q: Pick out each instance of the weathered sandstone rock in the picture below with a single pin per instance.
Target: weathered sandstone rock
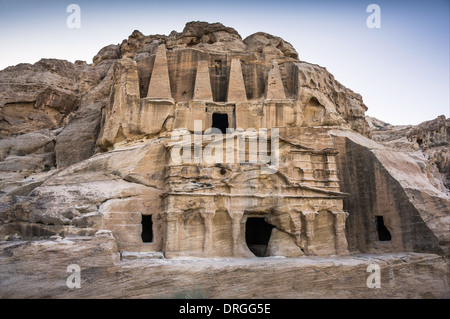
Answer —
(85, 126)
(104, 275)
(427, 142)
(384, 182)
(103, 157)
(268, 44)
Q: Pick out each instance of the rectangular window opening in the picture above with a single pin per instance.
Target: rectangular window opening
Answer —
(220, 121)
(147, 229)
(383, 233)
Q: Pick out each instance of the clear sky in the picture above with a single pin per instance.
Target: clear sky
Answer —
(401, 69)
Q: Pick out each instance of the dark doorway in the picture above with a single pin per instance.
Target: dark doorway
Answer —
(147, 229)
(383, 232)
(257, 235)
(220, 121)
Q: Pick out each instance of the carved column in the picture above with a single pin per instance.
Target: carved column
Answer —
(297, 221)
(208, 244)
(310, 217)
(236, 233)
(171, 232)
(339, 226)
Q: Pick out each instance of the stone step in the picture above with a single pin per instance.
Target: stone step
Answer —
(136, 255)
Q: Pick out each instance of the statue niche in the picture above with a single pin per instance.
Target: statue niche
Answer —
(314, 113)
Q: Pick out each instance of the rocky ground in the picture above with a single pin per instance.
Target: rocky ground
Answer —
(39, 270)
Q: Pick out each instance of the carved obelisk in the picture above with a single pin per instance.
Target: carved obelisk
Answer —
(274, 87)
(202, 90)
(159, 87)
(236, 86)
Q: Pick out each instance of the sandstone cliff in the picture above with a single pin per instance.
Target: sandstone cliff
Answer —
(428, 142)
(85, 148)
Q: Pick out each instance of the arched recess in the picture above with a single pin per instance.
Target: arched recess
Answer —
(191, 236)
(257, 235)
(314, 113)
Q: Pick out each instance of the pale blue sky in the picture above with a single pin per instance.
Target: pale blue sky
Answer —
(401, 70)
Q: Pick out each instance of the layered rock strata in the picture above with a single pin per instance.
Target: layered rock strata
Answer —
(119, 145)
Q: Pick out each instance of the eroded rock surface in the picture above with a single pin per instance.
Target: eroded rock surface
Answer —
(428, 142)
(88, 149)
(104, 275)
